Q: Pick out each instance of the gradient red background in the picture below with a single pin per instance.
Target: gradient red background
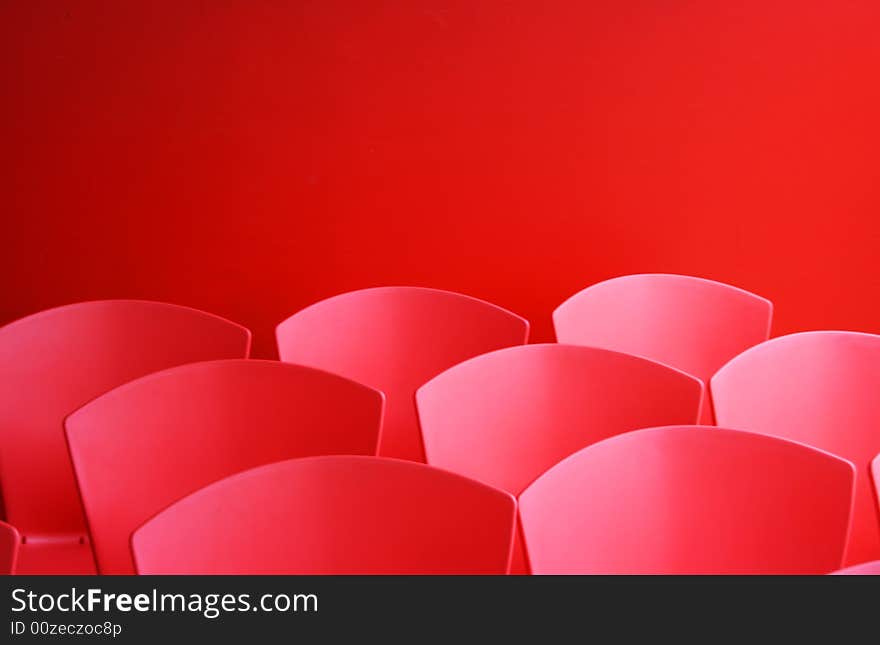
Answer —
(249, 158)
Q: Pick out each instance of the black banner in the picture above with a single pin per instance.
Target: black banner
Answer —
(147, 609)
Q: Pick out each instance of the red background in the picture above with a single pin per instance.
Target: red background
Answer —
(249, 158)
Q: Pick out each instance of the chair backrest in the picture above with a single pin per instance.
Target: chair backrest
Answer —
(820, 388)
(875, 475)
(333, 515)
(9, 543)
(690, 500)
(864, 569)
(394, 339)
(55, 361)
(146, 444)
(505, 417)
(692, 324)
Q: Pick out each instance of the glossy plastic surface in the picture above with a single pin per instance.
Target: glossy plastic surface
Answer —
(875, 476)
(864, 569)
(820, 388)
(333, 515)
(146, 444)
(55, 361)
(692, 324)
(395, 339)
(690, 500)
(505, 417)
(10, 540)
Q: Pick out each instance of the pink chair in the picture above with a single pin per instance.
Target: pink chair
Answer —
(332, 515)
(53, 362)
(820, 388)
(9, 545)
(875, 475)
(394, 339)
(692, 324)
(690, 500)
(864, 569)
(505, 417)
(146, 444)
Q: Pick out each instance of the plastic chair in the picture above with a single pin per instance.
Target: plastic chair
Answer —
(395, 339)
(55, 361)
(864, 569)
(506, 417)
(692, 324)
(820, 388)
(146, 444)
(875, 475)
(690, 500)
(333, 515)
(9, 545)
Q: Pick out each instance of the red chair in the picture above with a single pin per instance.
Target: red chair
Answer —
(820, 388)
(9, 545)
(692, 324)
(690, 500)
(55, 361)
(333, 515)
(506, 417)
(864, 569)
(395, 339)
(146, 444)
(875, 475)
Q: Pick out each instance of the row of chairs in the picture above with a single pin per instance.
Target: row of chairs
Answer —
(676, 499)
(681, 499)
(503, 418)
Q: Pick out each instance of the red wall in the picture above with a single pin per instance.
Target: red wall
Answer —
(249, 158)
